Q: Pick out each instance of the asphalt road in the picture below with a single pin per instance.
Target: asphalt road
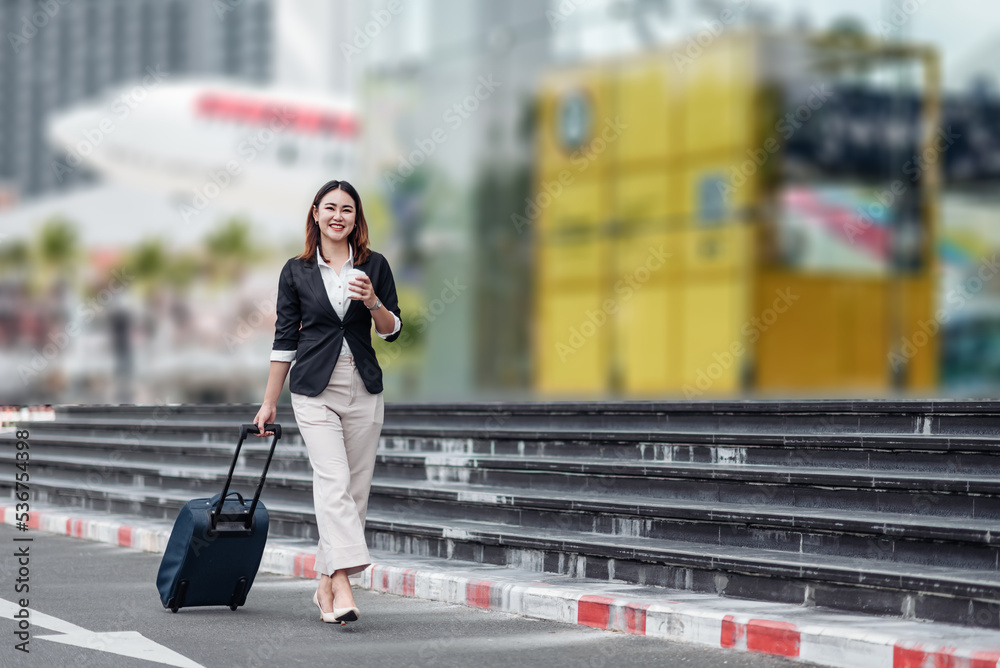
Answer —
(90, 590)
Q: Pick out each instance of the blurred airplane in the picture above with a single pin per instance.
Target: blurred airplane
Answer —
(213, 143)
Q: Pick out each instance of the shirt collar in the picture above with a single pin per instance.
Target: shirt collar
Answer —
(350, 257)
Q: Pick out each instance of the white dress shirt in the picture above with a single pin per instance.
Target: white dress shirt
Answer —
(338, 290)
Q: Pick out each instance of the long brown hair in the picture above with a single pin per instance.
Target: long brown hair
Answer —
(358, 238)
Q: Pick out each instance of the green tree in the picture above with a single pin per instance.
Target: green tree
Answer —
(58, 243)
(15, 256)
(182, 270)
(148, 262)
(57, 254)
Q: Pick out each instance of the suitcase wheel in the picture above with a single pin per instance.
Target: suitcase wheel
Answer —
(177, 601)
(239, 596)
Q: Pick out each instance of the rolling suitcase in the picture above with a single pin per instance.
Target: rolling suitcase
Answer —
(216, 544)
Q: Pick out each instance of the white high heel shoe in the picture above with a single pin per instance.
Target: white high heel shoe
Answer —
(344, 615)
(328, 617)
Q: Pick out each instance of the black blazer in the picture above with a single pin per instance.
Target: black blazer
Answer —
(302, 298)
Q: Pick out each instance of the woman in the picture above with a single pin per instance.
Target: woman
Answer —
(325, 311)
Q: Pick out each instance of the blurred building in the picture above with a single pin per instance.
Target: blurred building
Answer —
(448, 91)
(62, 53)
(308, 35)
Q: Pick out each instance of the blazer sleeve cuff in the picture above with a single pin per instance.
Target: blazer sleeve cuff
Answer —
(282, 355)
(395, 329)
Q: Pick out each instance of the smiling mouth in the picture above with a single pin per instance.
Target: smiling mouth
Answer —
(336, 226)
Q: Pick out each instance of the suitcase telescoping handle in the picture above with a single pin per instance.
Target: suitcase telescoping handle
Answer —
(244, 430)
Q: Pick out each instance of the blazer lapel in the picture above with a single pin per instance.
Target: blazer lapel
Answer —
(315, 283)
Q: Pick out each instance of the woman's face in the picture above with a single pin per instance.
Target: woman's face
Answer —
(335, 214)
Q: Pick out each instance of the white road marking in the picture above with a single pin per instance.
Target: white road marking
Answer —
(124, 643)
(9, 608)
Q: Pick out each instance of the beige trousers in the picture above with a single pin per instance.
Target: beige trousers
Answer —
(341, 427)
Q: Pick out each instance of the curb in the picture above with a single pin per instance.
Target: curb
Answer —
(826, 645)
(802, 634)
(10, 416)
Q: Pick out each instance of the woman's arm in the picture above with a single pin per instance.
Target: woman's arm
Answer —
(268, 412)
(276, 381)
(385, 316)
(384, 322)
(289, 316)
(286, 338)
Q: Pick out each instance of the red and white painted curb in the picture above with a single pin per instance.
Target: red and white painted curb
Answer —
(12, 414)
(827, 639)
(830, 644)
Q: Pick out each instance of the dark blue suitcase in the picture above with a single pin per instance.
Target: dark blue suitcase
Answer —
(215, 547)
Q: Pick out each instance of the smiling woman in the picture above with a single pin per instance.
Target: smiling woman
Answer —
(336, 381)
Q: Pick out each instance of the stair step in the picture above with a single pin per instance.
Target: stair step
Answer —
(897, 524)
(844, 451)
(893, 416)
(776, 562)
(944, 482)
(861, 453)
(564, 436)
(979, 493)
(844, 583)
(873, 536)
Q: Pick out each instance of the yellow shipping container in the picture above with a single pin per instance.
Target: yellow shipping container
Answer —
(656, 190)
(569, 344)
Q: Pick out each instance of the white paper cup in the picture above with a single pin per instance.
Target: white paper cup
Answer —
(351, 275)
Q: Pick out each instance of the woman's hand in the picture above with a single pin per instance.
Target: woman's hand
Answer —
(362, 286)
(266, 415)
